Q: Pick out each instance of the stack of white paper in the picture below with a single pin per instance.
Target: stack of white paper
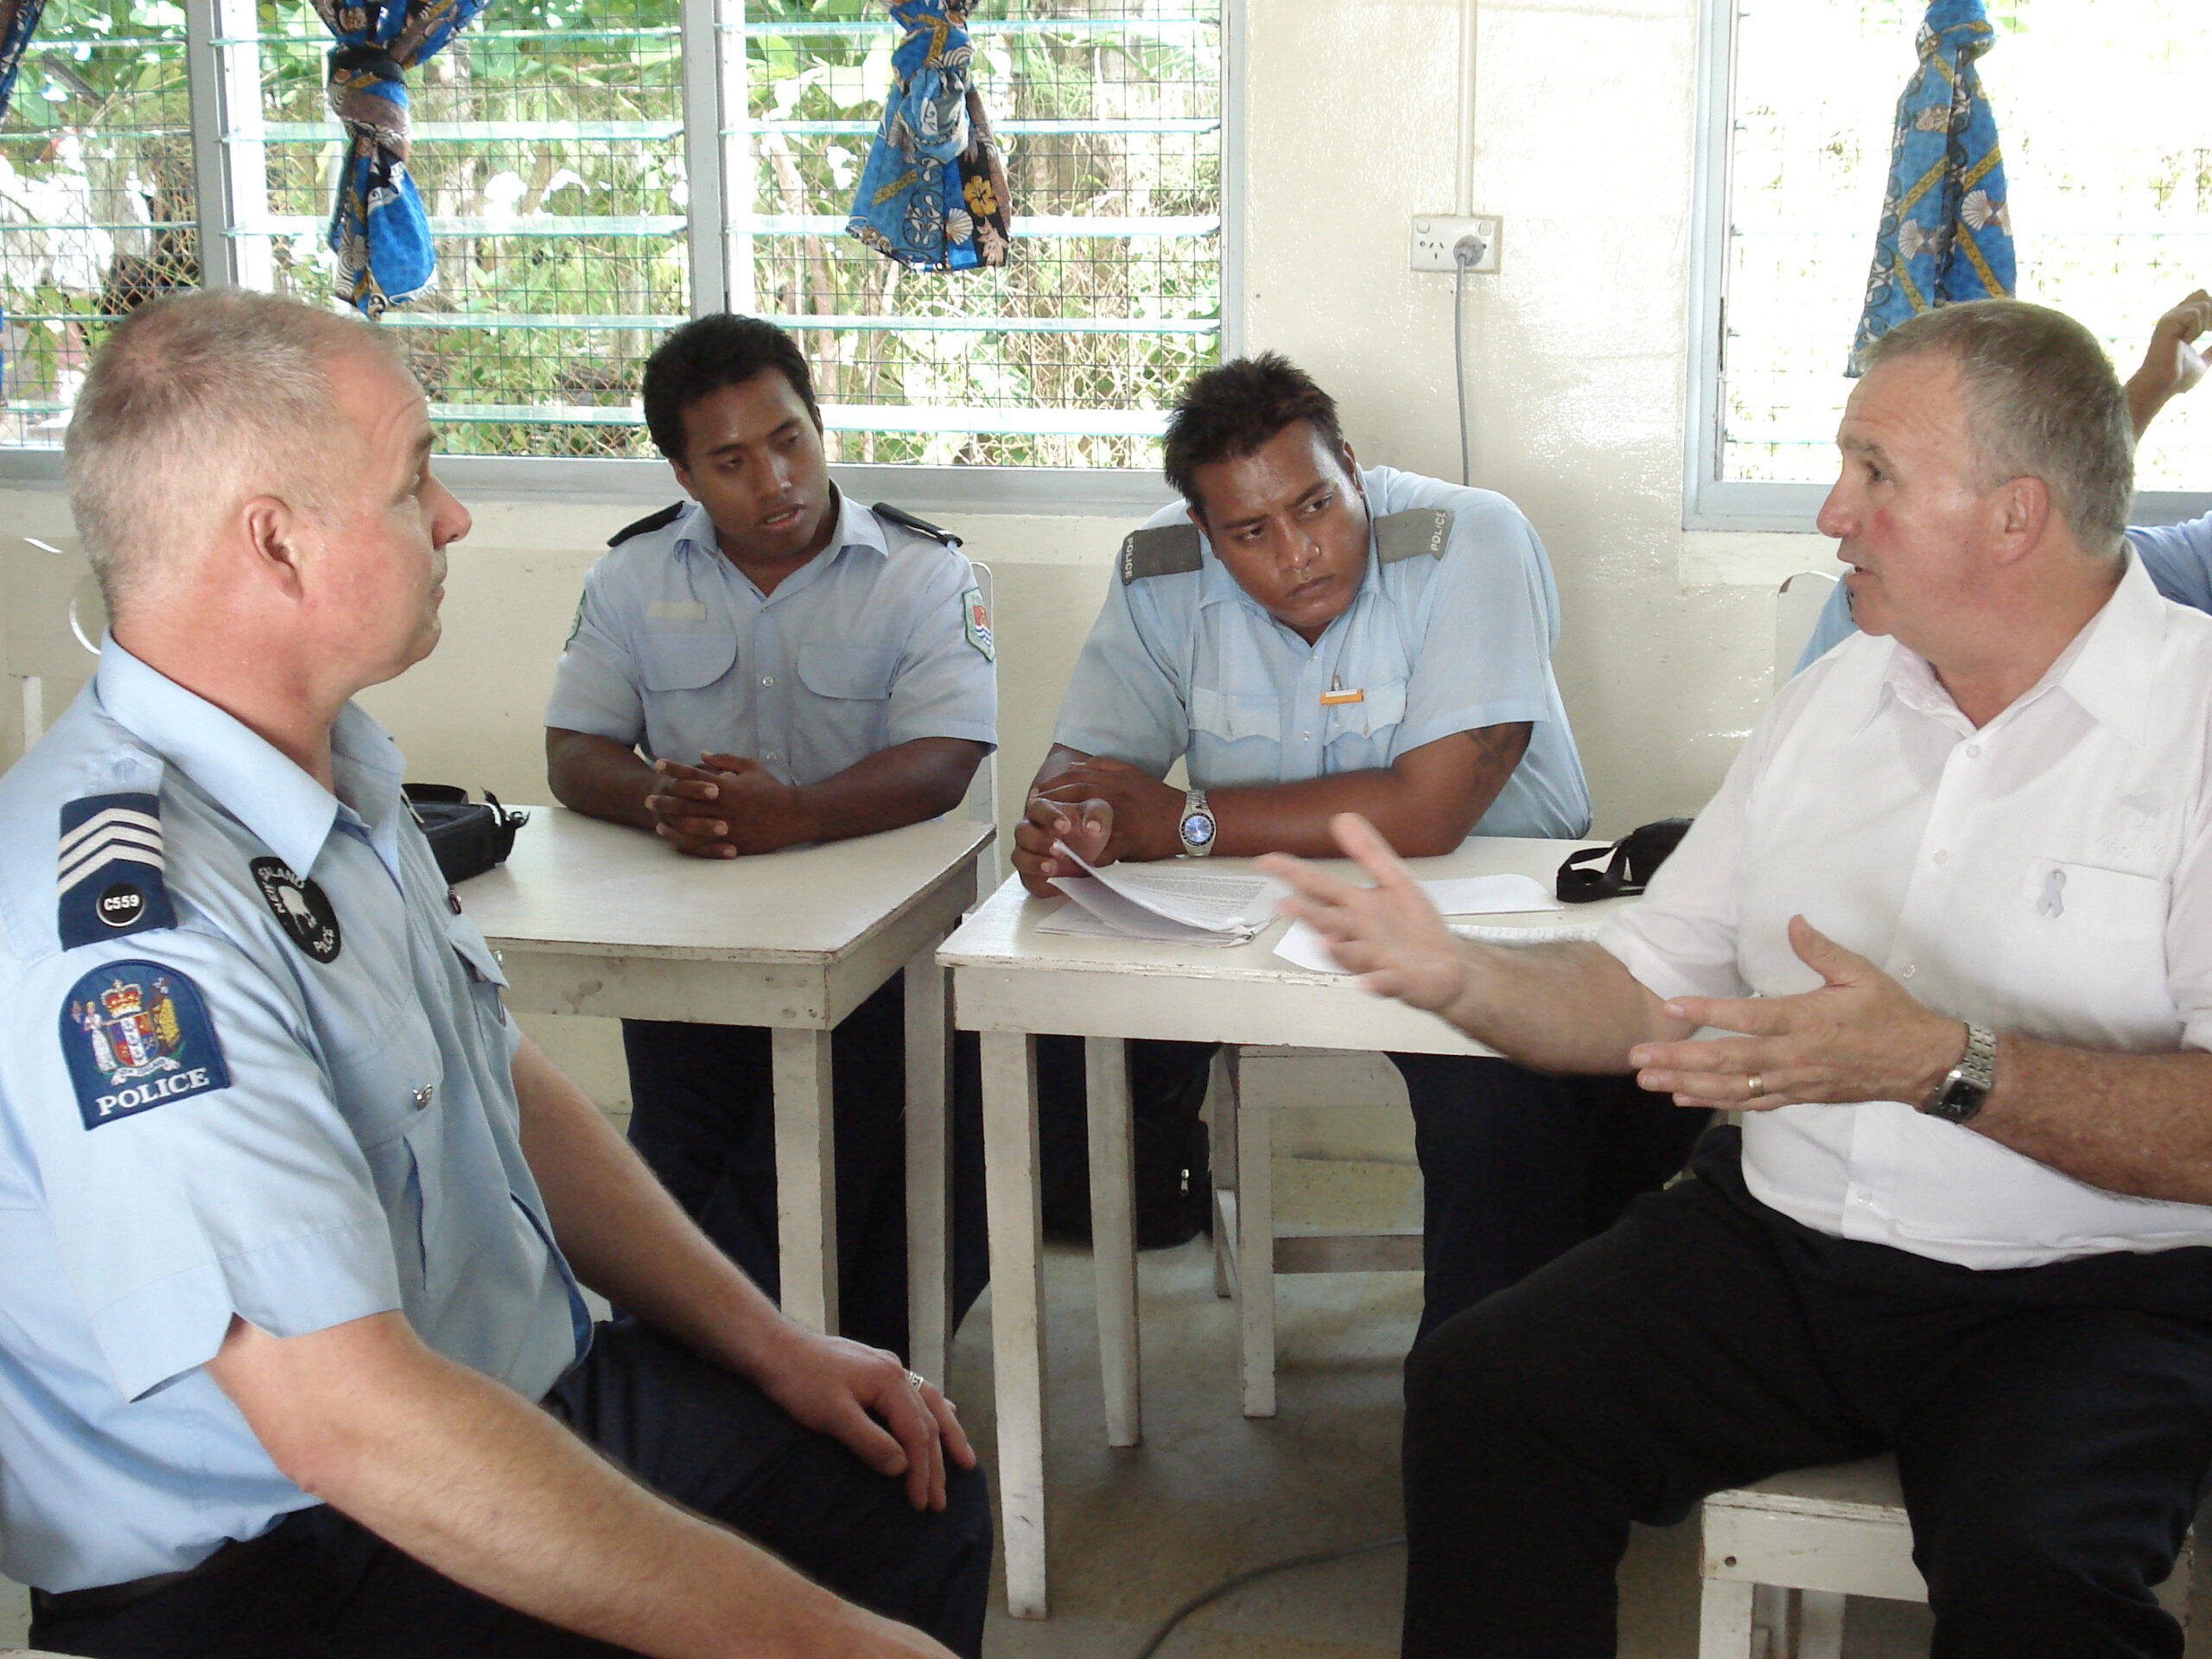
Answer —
(1185, 904)
(1467, 895)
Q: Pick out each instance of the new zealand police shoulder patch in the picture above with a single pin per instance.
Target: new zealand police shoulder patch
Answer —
(110, 870)
(137, 1035)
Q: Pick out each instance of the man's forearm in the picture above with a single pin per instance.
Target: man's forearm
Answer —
(476, 1482)
(1425, 805)
(599, 777)
(623, 1234)
(924, 777)
(2131, 1123)
(1560, 1007)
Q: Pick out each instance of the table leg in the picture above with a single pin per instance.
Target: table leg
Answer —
(1113, 1234)
(806, 1178)
(929, 1232)
(1017, 1310)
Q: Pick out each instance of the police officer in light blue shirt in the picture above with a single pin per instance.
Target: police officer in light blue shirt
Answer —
(769, 664)
(293, 1360)
(1311, 638)
(2177, 557)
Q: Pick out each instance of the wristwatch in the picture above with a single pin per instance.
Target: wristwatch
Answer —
(1195, 826)
(1964, 1087)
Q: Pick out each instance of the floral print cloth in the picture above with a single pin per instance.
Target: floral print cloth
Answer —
(1945, 233)
(379, 230)
(18, 18)
(932, 193)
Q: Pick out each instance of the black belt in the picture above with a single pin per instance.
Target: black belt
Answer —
(103, 1598)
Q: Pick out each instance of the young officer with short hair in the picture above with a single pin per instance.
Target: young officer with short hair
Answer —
(769, 665)
(1312, 638)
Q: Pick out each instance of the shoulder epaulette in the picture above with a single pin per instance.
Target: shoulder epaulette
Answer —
(919, 526)
(1409, 534)
(110, 869)
(1169, 550)
(650, 522)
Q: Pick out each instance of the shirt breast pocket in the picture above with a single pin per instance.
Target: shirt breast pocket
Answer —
(855, 673)
(683, 659)
(2085, 954)
(1376, 715)
(1230, 716)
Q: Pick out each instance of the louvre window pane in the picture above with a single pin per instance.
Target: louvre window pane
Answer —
(2099, 107)
(96, 197)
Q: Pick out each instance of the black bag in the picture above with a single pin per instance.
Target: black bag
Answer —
(1633, 860)
(466, 837)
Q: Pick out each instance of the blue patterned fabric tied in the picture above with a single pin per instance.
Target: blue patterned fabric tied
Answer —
(1946, 233)
(18, 21)
(377, 228)
(933, 191)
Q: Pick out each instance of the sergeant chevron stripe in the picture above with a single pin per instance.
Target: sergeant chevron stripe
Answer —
(110, 870)
(116, 832)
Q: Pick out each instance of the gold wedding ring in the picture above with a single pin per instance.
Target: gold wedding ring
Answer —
(1757, 1083)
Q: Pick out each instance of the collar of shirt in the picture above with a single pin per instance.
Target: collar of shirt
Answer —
(856, 527)
(262, 788)
(2106, 668)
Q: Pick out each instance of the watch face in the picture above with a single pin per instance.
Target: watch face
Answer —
(1197, 828)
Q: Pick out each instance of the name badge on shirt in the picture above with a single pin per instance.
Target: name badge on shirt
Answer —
(137, 1035)
(1330, 699)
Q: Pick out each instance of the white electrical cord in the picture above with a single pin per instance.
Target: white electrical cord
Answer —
(1467, 254)
(1237, 1581)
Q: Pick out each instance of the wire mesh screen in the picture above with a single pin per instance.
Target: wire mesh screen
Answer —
(2111, 212)
(96, 197)
(547, 147)
(1109, 113)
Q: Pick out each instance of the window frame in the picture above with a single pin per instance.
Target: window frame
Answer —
(1709, 501)
(221, 81)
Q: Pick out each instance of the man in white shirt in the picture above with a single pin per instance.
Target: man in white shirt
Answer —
(1956, 895)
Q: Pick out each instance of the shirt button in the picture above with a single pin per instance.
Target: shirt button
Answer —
(772, 755)
(423, 1097)
(1306, 737)
(1908, 971)
(1973, 751)
(767, 679)
(1942, 856)
(1862, 1198)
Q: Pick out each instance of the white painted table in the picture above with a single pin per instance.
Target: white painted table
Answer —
(1010, 982)
(599, 919)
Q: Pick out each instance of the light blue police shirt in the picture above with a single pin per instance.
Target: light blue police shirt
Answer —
(2178, 556)
(251, 1063)
(871, 643)
(1189, 664)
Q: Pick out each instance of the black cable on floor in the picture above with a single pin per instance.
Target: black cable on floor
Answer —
(1237, 1581)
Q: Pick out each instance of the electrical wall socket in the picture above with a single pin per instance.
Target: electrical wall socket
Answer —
(1436, 234)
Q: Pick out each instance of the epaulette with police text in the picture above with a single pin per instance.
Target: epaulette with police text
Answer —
(110, 869)
(652, 521)
(1169, 550)
(1409, 534)
(919, 526)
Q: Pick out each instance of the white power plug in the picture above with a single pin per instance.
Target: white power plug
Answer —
(1439, 242)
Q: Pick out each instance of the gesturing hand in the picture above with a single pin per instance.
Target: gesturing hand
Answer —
(1388, 934)
(1859, 1037)
(864, 1398)
(1085, 826)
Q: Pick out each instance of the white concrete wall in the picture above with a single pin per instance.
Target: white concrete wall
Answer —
(1576, 365)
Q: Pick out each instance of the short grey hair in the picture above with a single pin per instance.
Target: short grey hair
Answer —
(194, 405)
(2042, 401)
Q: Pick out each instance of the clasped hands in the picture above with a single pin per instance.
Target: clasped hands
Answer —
(1857, 1036)
(1105, 811)
(725, 805)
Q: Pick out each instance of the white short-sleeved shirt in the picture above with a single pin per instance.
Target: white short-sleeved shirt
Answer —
(253, 1063)
(1188, 663)
(879, 640)
(2049, 874)
(2178, 557)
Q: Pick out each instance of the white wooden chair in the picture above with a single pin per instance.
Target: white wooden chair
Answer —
(1247, 1253)
(1779, 1557)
